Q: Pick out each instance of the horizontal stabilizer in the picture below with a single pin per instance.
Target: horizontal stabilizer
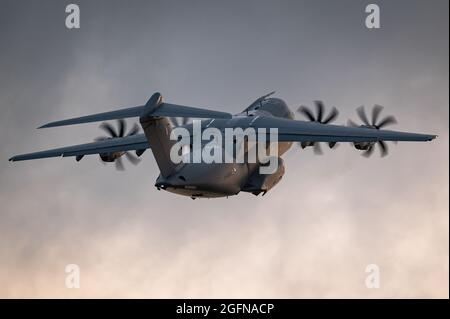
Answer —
(174, 110)
(119, 114)
(164, 110)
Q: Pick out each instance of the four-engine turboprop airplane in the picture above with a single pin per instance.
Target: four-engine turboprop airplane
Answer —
(158, 118)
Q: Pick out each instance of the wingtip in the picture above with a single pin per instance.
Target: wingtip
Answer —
(44, 126)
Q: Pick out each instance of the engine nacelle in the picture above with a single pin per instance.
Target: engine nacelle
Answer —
(110, 157)
(363, 146)
(262, 183)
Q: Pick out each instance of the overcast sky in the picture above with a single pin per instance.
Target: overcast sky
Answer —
(311, 236)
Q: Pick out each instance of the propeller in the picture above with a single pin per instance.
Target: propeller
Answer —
(374, 124)
(120, 132)
(179, 121)
(318, 118)
(122, 126)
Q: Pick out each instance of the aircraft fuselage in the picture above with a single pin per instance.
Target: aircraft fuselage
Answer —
(227, 179)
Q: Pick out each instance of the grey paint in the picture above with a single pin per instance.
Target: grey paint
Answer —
(224, 179)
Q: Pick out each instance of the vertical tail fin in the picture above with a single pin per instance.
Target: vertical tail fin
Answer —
(157, 130)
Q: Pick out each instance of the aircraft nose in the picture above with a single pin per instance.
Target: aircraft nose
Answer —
(172, 181)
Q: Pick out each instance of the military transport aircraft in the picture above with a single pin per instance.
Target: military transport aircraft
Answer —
(196, 180)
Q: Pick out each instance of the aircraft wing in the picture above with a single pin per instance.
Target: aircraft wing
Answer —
(302, 131)
(128, 143)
